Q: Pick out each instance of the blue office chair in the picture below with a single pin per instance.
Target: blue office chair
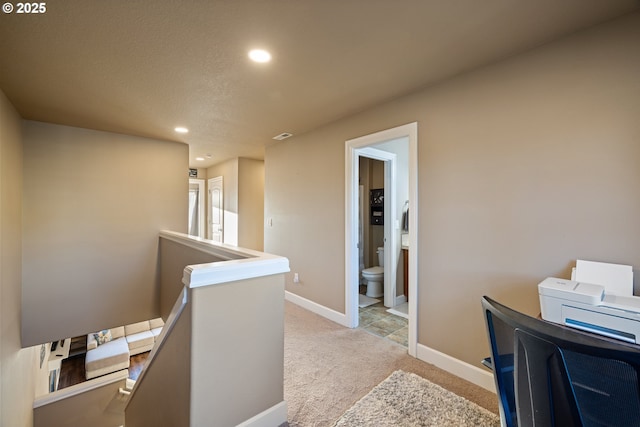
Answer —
(551, 375)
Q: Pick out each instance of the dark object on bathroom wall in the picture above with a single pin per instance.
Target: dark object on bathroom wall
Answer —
(405, 216)
(405, 221)
(377, 206)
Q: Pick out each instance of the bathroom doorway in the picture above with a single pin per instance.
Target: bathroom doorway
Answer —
(380, 146)
(377, 244)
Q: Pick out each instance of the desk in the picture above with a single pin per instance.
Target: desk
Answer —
(55, 362)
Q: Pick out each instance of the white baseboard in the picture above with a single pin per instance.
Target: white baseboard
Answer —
(457, 367)
(401, 299)
(443, 361)
(316, 308)
(274, 416)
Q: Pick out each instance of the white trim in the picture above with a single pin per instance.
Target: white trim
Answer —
(316, 308)
(83, 387)
(210, 183)
(391, 247)
(401, 299)
(351, 235)
(236, 264)
(272, 417)
(464, 370)
(229, 271)
(219, 250)
(352, 147)
(412, 130)
(201, 203)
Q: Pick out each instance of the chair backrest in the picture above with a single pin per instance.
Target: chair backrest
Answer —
(552, 375)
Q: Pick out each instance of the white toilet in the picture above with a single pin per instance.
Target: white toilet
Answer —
(375, 277)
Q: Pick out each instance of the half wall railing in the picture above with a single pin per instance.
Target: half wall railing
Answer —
(220, 358)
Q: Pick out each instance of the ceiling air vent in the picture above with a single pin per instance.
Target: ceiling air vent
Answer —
(282, 136)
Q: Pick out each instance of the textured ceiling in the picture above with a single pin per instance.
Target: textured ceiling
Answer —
(144, 67)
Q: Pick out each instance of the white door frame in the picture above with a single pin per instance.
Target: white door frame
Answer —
(201, 203)
(391, 247)
(218, 180)
(353, 148)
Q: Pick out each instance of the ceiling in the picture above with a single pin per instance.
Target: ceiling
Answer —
(143, 68)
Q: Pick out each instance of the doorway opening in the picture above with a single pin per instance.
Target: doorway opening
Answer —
(397, 148)
(196, 207)
(216, 210)
(376, 232)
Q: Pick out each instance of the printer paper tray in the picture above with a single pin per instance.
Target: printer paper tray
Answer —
(604, 324)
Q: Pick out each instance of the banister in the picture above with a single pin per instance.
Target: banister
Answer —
(212, 364)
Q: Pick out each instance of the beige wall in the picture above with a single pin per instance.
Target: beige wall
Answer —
(523, 167)
(162, 395)
(94, 203)
(17, 366)
(251, 204)
(304, 203)
(243, 187)
(97, 407)
(229, 172)
(202, 173)
(218, 362)
(174, 257)
(237, 372)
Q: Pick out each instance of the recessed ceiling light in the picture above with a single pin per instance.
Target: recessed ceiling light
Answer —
(200, 159)
(181, 129)
(259, 55)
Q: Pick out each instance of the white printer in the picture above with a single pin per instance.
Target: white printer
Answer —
(588, 307)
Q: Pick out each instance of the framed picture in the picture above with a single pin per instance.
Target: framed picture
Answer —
(377, 197)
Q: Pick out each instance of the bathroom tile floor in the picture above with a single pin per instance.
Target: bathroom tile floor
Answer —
(376, 320)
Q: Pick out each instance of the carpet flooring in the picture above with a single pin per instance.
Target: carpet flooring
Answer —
(328, 368)
(405, 399)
